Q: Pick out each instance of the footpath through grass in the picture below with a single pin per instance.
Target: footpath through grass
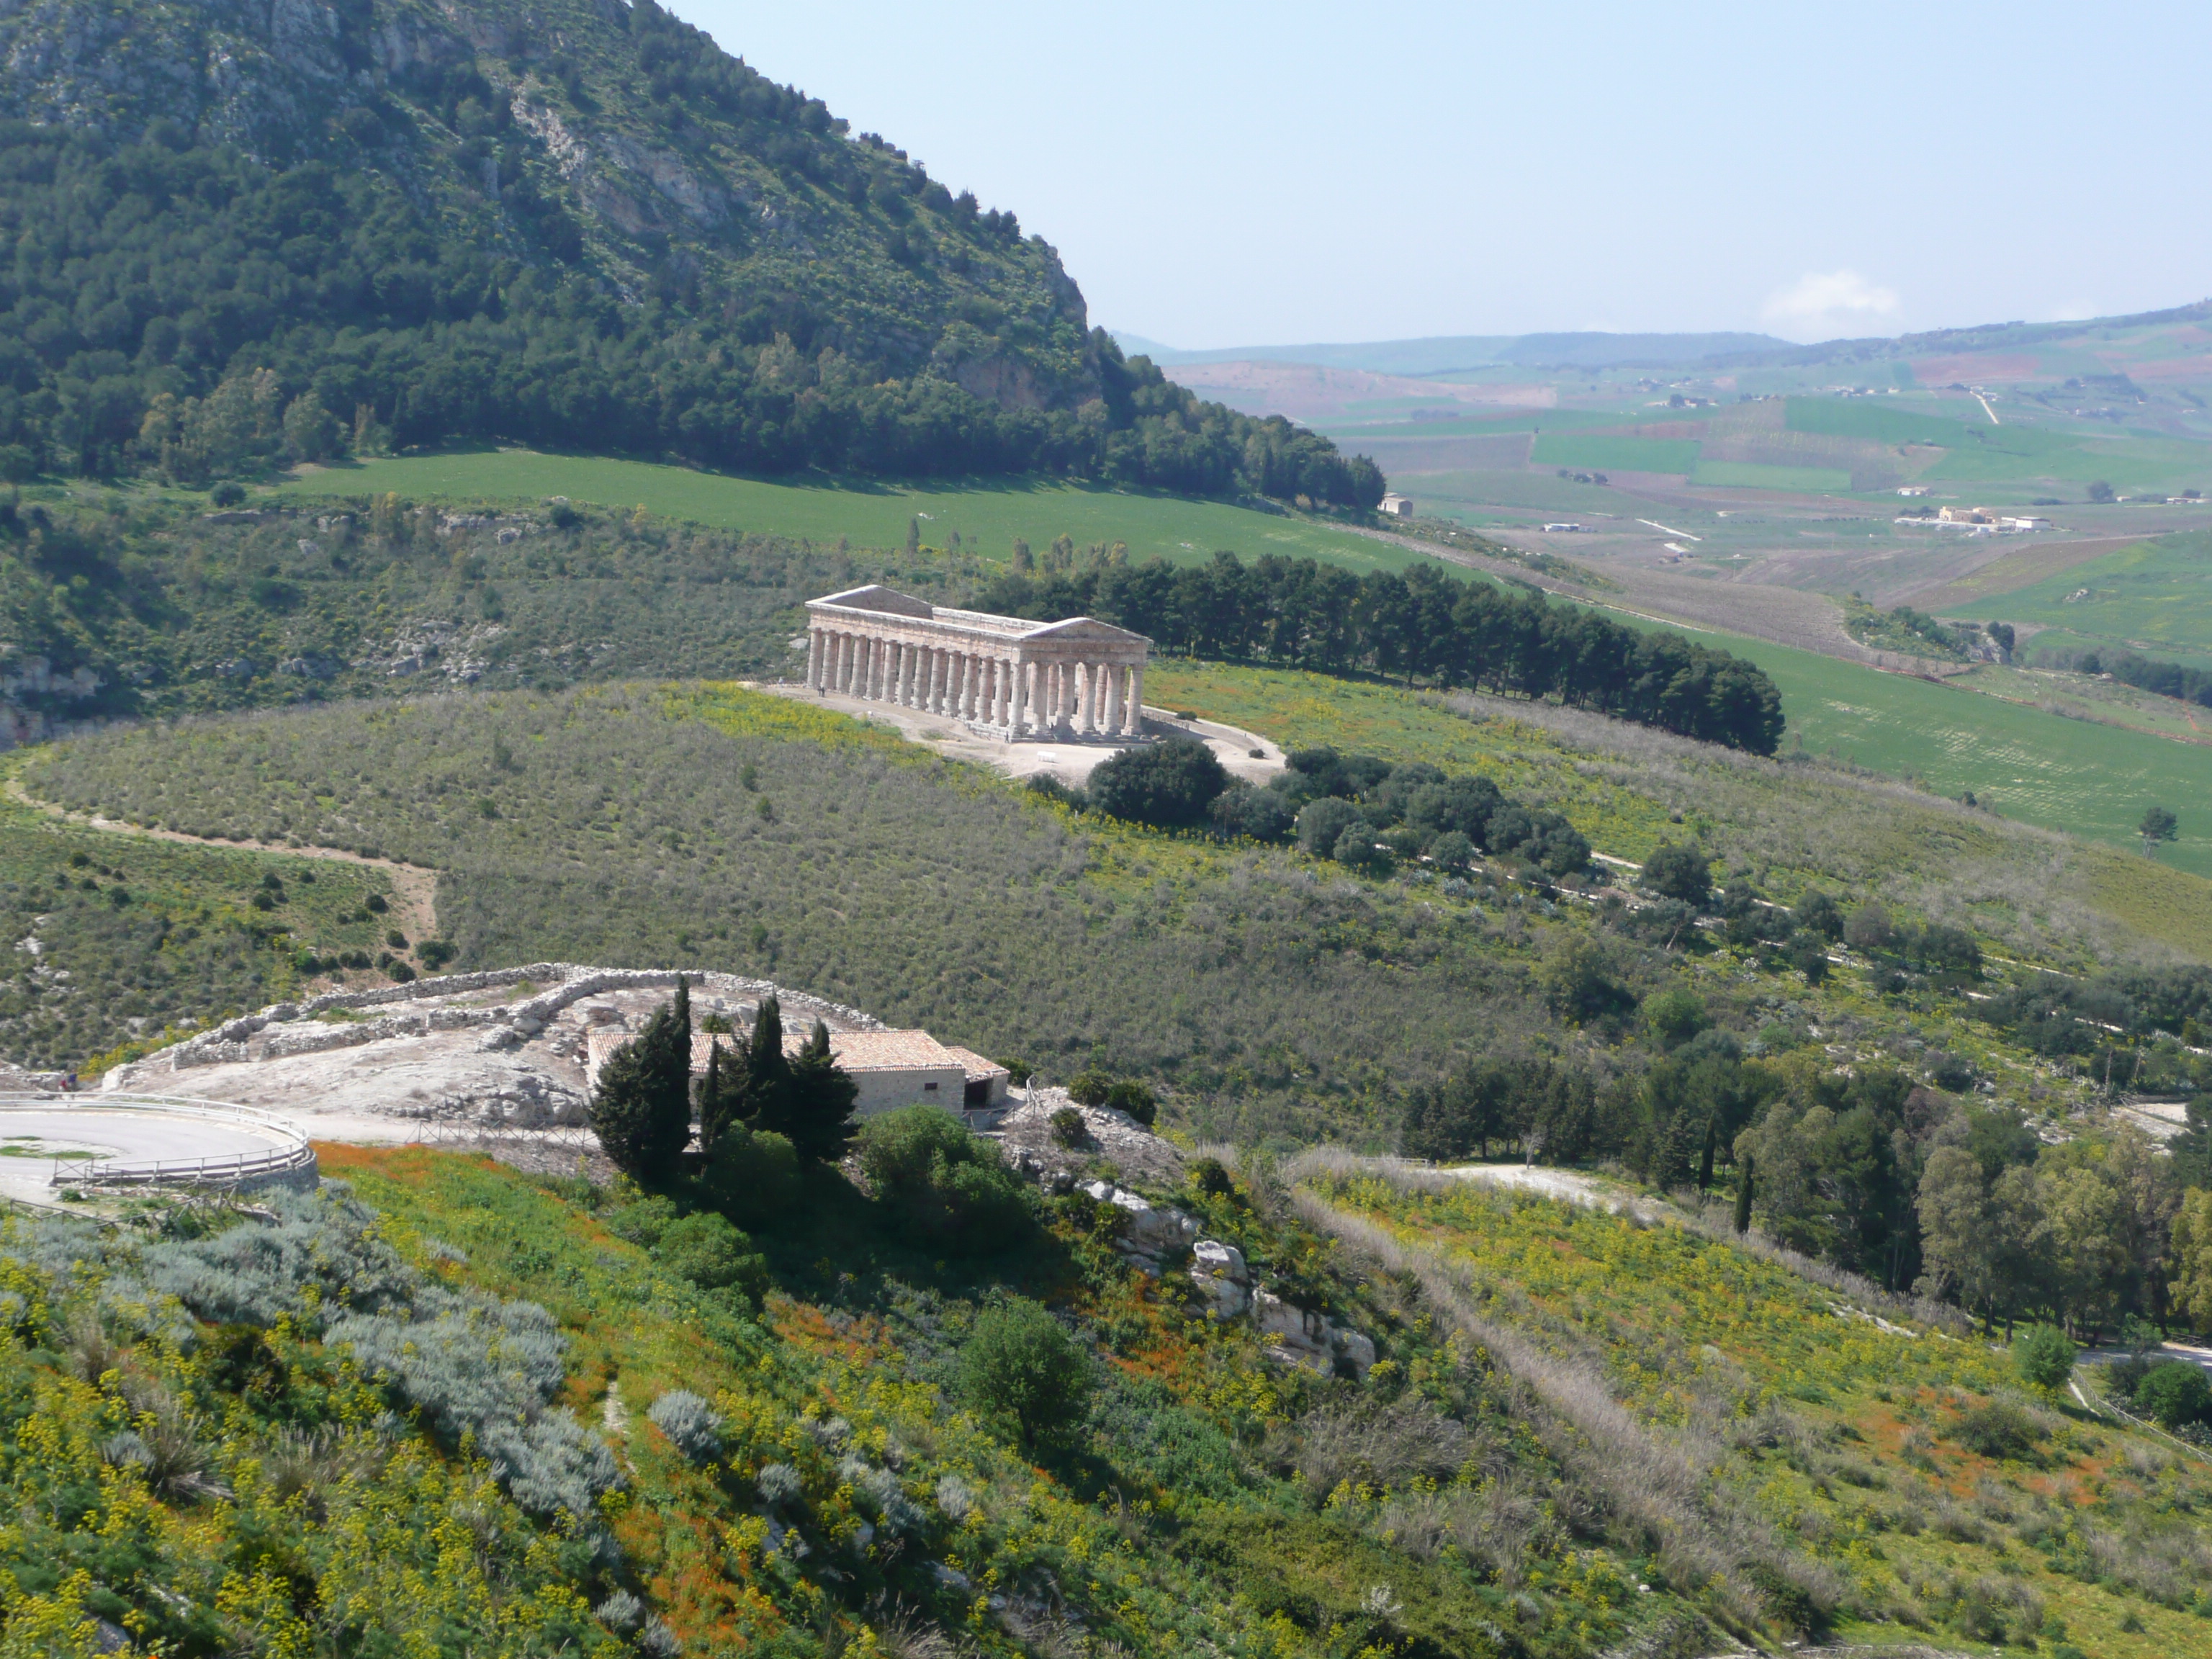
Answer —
(988, 516)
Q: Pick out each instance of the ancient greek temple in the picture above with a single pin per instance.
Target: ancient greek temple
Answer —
(1065, 681)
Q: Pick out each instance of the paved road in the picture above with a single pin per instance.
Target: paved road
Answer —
(32, 1137)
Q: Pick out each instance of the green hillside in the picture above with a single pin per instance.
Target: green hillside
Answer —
(988, 516)
(579, 226)
(2155, 597)
(1941, 1495)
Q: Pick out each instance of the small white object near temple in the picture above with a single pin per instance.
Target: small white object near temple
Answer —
(1066, 682)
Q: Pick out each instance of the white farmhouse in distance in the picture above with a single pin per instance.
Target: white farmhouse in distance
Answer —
(1396, 506)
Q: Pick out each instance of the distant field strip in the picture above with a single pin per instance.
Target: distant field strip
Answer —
(1615, 454)
(1745, 475)
(988, 517)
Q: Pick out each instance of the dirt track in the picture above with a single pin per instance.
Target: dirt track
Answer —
(415, 888)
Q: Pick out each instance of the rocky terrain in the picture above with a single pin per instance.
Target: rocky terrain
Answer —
(497, 1050)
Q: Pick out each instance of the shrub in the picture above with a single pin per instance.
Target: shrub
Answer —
(1132, 1097)
(1452, 850)
(645, 1221)
(1996, 1430)
(1068, 1128)
(1088, 1087)
(1322, 823)
(2174, 1393)
(1683, 873)
(939, 1180)
(1868, 928)
(690, 1424)
(1356, 849)
(1168, 784)
(1211, 1178)
(1020, 1365)
(1676, 1015)
(2043, 1356)
(1817, 913)
(753, 1176)
(1255, 814)
(706, 1250)
(229, 493)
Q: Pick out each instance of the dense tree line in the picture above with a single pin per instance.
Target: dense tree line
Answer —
(1418, 624)
(2166, 679)
(173, 307)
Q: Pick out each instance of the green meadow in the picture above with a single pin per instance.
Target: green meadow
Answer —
(1613, 455)
(2092, 780)
(1749, 475)
(2155, 597)
(987, 516)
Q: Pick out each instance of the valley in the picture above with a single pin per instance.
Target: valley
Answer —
(1477, 997)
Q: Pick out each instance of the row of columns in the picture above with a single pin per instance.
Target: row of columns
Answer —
(983, 687)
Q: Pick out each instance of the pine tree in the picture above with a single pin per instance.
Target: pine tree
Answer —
(641, 1109)
(1743, 1198)
(821, 1096)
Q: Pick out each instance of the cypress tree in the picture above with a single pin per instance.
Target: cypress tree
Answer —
(1705, 1159)
(723, 1101)
(766, 1073)
(1743, 1197)
(821, 1096)
(641, 1109)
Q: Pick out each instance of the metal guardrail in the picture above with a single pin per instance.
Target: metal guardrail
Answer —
(292, 1155)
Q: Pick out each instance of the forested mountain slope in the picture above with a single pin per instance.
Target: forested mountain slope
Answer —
(244, 234)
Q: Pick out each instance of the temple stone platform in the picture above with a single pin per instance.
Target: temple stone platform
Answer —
(1071, 762)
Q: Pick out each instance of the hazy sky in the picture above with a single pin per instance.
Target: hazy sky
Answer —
(1237, 173)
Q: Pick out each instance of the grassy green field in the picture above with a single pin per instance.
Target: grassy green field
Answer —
(2154, 597)
(1615, 454)
(1746, 475)
(2092, 780)
(988, 517)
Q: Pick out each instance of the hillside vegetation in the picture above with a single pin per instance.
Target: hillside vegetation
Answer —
(238, 243)
(1276, 994)
(1902, 1470)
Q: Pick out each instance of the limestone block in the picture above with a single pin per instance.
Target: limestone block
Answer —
(1155, 1231)
(1101, 1192)
(1219, 1272)
(1220, 1260)
(1304, 1333)
(500, 1038)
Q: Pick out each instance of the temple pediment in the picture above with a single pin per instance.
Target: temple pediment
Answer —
(876, 597)
(1086, 628)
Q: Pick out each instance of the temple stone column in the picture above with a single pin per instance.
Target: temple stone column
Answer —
(1112, 674)
(937, 680)
(879, 652)
(1134, 722)
(1002, 692)
(813, 660)
(1094, 683)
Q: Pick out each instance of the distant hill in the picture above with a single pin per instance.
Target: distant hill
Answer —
(1443, 353)
(245, 234)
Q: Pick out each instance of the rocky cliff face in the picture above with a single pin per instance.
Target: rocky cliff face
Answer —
(583, 135)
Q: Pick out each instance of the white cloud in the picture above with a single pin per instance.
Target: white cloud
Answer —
(1839, 302)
